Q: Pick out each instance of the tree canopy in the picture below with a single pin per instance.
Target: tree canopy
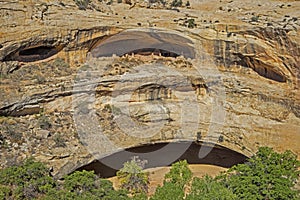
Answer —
(266, 175)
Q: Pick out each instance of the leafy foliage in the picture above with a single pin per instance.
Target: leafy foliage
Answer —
(169, 191)
(267, 175)
(208, 188)
(179, 174)
(174, 183)
(32, 181)
(132, 177)
(86, 185)
(4, 192)
(140, 196)
(26, 181)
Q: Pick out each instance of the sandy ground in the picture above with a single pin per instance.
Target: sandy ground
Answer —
(156, 175)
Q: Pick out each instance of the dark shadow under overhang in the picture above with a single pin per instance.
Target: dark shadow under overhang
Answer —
(132, 41)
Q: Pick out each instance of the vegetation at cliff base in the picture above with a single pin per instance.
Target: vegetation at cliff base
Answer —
(132, 177)
(266, 175)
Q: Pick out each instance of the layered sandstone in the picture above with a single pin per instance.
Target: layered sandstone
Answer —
(240, 88)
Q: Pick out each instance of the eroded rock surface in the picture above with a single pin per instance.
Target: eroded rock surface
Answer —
(239, 87)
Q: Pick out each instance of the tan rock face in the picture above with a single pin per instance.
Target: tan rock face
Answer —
(231, 79)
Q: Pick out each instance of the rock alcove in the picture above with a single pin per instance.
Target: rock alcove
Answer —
(157, 155)
(145, 43)
(32, 54)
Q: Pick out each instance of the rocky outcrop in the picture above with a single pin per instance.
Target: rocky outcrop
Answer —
(235, 82)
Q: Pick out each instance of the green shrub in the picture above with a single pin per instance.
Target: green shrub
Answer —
(4, 192)
(80, 182)
(87, 185)
(175, 181)
(191, 23)
(140, 196)
(267, 175)
(26, 181)
(208, 188)
(132, 177)
(31, 180)
(179, 174)
(254, 18)
(176, 3)
(169, 191)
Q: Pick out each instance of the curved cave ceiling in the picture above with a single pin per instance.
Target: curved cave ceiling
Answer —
(32, 54)
(218, 156)
(144, 42)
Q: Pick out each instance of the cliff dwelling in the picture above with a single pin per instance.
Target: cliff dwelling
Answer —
(145, 43)
(157, 156)
(82, 86)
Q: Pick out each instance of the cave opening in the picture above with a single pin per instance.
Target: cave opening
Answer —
(218, 156)
(33, 54)
(42, 50)
(261, 68)
(143, 42)
(270, 74)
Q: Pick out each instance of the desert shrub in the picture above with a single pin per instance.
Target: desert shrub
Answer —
(12, 133)
(44, 122)
(176, 3)
(82, 4)
(254, 18)
(59, 140)
(40, 79)
(132, 177)
(191, 23)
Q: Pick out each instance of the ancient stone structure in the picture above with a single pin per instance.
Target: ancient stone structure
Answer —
(78, 85)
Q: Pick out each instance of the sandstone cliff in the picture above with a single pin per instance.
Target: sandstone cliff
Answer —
(236, 63)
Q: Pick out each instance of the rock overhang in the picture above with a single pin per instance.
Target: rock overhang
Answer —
(164, 154)
(261, 110)
(135, 40)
